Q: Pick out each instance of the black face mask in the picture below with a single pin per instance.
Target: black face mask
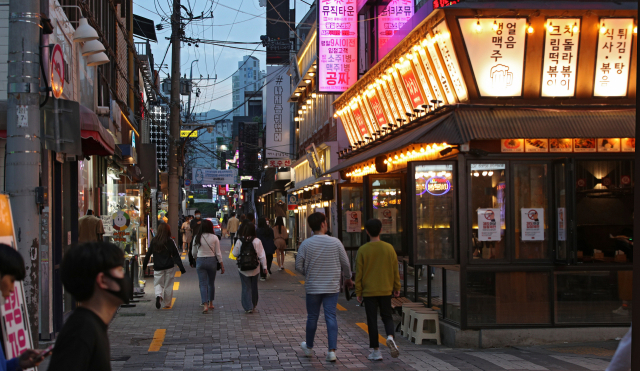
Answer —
(124, 293)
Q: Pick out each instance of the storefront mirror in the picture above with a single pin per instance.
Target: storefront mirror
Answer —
(531, 211)
(488, 193)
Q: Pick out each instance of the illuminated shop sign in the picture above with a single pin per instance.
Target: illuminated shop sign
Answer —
(437, 186)
(392, 18)
(337, 45)
(615, 40)
(560, 63)
(443, 40)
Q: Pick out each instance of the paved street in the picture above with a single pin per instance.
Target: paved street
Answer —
(182, 338)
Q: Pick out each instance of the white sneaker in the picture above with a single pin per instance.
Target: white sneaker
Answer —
(621, 311)
(307, 351)
(375, 355)
(393, 348)
(331, 356)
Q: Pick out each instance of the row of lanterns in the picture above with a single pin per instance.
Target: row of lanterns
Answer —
(402, 157)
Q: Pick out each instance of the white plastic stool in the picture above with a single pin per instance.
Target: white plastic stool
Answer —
(406, 317)
(424, 326)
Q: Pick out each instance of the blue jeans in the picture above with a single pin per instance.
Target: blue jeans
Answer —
(206, 268)
(249, 296)
(329, 303)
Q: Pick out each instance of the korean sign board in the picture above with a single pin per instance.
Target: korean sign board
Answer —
(615, 41)
(560, 64)
(278, 120)
(188, 133)
(213, 176)
(281, 162)
(392, 18)
(338, 45)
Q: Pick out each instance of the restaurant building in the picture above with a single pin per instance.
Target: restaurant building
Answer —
(497, 147)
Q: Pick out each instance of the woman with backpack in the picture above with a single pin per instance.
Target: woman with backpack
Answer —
(251, 261)
(165, 257)
(265, 234)
(280, 235)
(206, 251)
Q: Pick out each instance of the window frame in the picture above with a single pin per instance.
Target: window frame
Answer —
(364, 237)
(367, 181)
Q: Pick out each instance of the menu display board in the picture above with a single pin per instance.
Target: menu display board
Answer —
(536, 145)
(392, 18)
(411, 83)
(401, 90)
(560, 145)
(512, 145)
(615, 41)
(415, 61)
(560, 63)
(443, 39)
(377, 108)
(388, 109)
(440, 73)
(396, 96)
(628, 144)
(496, 51)
(361, 124)
(608, 144)
(584, 145)
(428, 69)
(337, 45)
(390, 99)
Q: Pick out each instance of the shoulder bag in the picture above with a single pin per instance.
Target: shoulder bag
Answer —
(219, 266)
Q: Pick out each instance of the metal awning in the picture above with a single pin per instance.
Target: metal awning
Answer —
(470, 123)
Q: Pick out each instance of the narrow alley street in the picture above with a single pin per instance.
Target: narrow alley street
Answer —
(182, 338)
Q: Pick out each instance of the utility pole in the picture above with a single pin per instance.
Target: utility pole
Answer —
(188, 114)
(174, 119)
(23, 141)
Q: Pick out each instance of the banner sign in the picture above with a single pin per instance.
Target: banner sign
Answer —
(392, 18)
(560, 59)
(281, 162)
(214, 177)
(278, 114)
(292, 202)
(615, 42)
(489, 224)
(278, 43)
(337, 45)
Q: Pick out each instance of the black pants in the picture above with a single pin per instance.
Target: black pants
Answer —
(269, 261)
(232, 236)
(371, 305)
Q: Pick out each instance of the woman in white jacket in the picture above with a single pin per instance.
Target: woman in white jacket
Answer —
(206, 251)
(249, 278)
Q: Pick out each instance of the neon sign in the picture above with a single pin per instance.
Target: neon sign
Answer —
(436, 186)
(337, 45)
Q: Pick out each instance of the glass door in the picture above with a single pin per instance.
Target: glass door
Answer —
(564, 253)
(385, 201)
(351, 201)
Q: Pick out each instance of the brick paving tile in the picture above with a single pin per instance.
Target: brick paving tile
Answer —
(228, 339)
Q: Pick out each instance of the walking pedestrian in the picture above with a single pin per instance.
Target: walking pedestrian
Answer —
(280, 235)
(377, 278)
(206, 251)
(265, 234)
(11, 270)
(187, 236)
(322, 259)
(243, 220)
(251, 261)
(196, 222)
(90, 228)
(93, 274)
(165, 257)
(232, 227)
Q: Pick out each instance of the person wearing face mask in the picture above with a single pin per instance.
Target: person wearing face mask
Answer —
(93, 274)
(11, 270)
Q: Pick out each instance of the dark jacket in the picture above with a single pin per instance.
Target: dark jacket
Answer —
(166, 258)
(195, 226)
(266, 237)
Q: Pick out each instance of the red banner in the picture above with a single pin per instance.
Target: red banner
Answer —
(222, 191)
(377, 110)
(411, 83)
(362, 125)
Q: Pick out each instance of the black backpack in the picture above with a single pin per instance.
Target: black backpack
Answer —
(248, 259)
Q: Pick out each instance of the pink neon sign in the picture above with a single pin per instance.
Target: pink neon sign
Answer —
(337, 45)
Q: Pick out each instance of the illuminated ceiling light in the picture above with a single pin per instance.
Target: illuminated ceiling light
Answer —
(307, 81)
(476, 174)
(296, 94)
(312, 74)
(304, 107)
(313, 95)
(478, 28)
(550, 27)
(296, 119)
(484, 173)
(530, 29)
(495, 25)
(308, 101)
(603, 28)
(575, 27)
(489, 173)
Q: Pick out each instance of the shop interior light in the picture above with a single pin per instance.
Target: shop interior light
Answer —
(296, 119)
(299, 112)
(484, 173)
(530, 29)
(325, 204)
(316, 185)
(476, 174)
(304, 107)
(490, 173)
(635, 29)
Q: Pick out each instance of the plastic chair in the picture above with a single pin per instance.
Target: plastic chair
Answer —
(406, 317)
(424, 325)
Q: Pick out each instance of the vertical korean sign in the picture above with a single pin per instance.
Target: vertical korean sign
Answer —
(278, 121)
(561, 44)
(411, 83)
(338, 45)
(14, 317)
(615, 42)
(392, 18)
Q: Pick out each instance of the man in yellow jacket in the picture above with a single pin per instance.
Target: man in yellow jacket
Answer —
(377, 278)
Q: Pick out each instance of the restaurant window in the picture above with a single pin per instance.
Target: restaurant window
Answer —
(503, 298)
(434, 212)
(604, 211)
(594, 297)
(351, 226)
(531, 211)
(488, 192)
(386, 205)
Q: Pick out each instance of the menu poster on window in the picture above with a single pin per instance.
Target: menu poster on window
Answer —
(338, 45)
(560, 57)
(532, 224)
(584, 145)
(489, 224)
(496, 49)
(560, 145)
(388, 219)
(512, 145)
(608, 144)
(615, 41)
(628, 144)
(562, 224)
(354, 221)
(536, 145)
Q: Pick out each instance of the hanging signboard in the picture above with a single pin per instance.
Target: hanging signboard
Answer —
(415, 61)
(360, 122)
(560, 60)
(400, 86)
(489, 224)
(14, 318)
(439, 71)
(532, 224)
(377, 108)
(213, 176)
(443, 39)
(292, 201)
(56, 71)
(281, 162)
(615, 41)
(391, 20)
(188, 133)
(337, 45)
(428, 70)
(496, 49)
(278, 120)
(411, 83)
(354, 221)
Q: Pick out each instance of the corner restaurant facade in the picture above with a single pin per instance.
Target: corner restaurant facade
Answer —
(497, 146)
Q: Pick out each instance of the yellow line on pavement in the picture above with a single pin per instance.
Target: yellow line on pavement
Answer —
(176, 286)
(290, 272)
(178, 274)
(173, 301)
(364, 326)
(302, 282)
(158, 339)
(340, 307)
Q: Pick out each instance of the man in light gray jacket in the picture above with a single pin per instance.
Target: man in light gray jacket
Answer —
(322, 259)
